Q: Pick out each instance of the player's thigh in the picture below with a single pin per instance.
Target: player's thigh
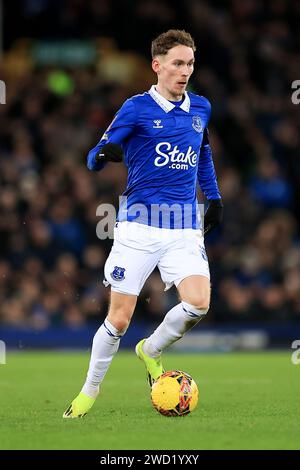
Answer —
(195, 290)
(132, 259)
(186, 258)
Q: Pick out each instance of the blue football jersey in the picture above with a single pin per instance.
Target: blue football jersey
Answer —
(166, 150)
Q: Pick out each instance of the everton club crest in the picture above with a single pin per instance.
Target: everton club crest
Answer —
(197, 123)
(118, 273)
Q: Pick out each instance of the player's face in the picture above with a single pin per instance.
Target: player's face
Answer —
(174, 70)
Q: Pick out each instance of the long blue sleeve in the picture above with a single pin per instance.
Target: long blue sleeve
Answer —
(206, 171)
(118, 131)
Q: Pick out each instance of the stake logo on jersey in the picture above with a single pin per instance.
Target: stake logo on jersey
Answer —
(118, 273)
(174, 158)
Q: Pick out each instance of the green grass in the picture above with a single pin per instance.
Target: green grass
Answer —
(247, 401)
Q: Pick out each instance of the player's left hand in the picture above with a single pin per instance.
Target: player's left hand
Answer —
(110, 153)
(213, 215)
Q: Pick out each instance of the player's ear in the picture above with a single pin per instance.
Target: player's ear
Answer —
(156, 65)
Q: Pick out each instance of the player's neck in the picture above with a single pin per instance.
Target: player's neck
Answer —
(166, 94)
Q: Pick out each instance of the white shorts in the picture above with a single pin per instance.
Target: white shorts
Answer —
(139, 248)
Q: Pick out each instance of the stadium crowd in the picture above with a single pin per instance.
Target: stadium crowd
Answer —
(51, 261)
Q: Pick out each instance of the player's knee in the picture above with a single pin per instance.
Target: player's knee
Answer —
(120, 323)
(202, 305)
(200, 302)
(197, 309)
(120, 319)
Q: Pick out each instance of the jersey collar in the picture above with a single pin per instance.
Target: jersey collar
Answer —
(167, 105)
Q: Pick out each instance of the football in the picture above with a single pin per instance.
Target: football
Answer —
(174, 393)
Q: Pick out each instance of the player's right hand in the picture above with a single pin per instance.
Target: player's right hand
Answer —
(110, 153)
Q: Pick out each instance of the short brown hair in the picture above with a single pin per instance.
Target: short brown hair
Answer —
(166, 41)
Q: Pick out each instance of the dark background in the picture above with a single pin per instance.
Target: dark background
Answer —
(58, 104)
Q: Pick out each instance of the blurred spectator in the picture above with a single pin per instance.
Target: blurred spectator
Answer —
(51, 261)
(269, 186)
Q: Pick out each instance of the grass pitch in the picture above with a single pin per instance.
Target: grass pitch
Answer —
(247, 401)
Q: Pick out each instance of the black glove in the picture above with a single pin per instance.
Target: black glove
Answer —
(110, 153)
(213, 215)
